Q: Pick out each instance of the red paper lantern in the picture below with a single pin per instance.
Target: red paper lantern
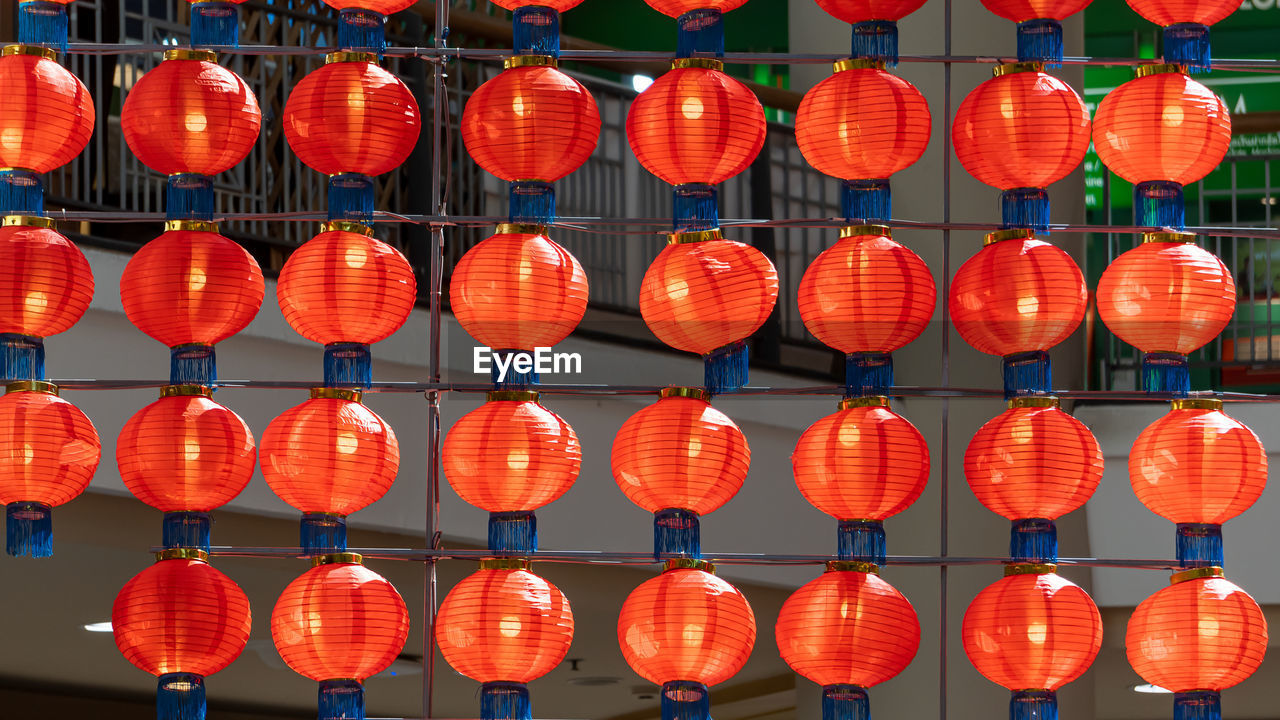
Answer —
(190, 115)
(700, 296)
(557, 5)
(47, 117)
(45, 283)
(865, 462)
(696, 124)
(351, 116)
(1032, 631)
(1018, 294)
(1170, 12)
(680, 453)
(857, 11)
(531, 122)
(345, 286)
(382, 7)
(1024, 10)
(676, 8)
(1197, 465)
(511, 454)
(847, 628)
(191, 287)
(518, 290)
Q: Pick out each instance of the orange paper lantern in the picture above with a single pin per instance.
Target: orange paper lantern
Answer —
(676, 8)
(557, 5)
(48, 116)
(858, 11)
(1024, 10)
(1170, 12)
(382, 7)
(45, 283)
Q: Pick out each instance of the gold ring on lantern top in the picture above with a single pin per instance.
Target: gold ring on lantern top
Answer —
(697, 62)
(1014, 234)
(44, 52)
(853, 566)
(191, 226)
(1038, 401)
(329, 393)
(516, 61)
(1196, 574)
(1196, 404)
(864, 402)
(1018, 67)
(1158, 68)
(689, 564)
(348, 56)
(849, 231)
(857, 64)
(505, 564)
(39, 386)
(1165, 236)
(694, 236)
(189, 54)
(696, 393)
(28, 221)
(1030, 569)
(169, 391)
(521, 229)
(346, 226)
(342, 558)
(513, 395)
(182, 554)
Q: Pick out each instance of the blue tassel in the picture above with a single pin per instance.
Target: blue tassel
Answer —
(190, 197)
(513, 369)
(21, 357)
(532, 201)
(215, 24)
(867, 374)
(861, 540)
(1166, 373)
(351, 198)
(180, 696)
(1040, 40)
(1159, 204)
(21, 191)
(361, 30)
(1028, 373)
(29, 529)
(725, 368)
(877, 40)
(341, 700)
(537, 31)
(1197, 705)
(513, 533)
(322, 534)
(348, 365)
(700, 31)
(1033, 705)
(1033, 540)
(676, 532)
(187, 530)
(866, 201)
(1199, 545)
(1188, 44)
(845, 702)
(1025, 208)
(684, 700)
(193, 365)
(43, 23)
(505, 701)
(695, 207)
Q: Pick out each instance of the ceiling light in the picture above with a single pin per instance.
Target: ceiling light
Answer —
(103, 627)
(1150, 689)
(640, 83)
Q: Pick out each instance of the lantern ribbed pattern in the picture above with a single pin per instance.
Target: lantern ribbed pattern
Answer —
(181, 616)
(509, 455)
(1018, 296)
(345, 287)
(190, 116)
(1202, 634)
(47, 116)
(862, 463)
(680, 453)
(339, 620)
(45, 282)
(1198, 466)
(504, 625)
(1032, 632)
(49, 450)
(687, 625)
(1166, 297)
(1033, 462)
(1169, 12)
(329, 456)
(351, 117)
(191, 287)
(822, 640)
(676, 8)
(518, 291)
(1161, 127)
(867, 293)
(696, 125)
(531, 123)
(856, 11)
(1023, 10)
(557, 5)
(382, 7)
(704, 295)
(1022, 129)
(185, 453)
(862, 123)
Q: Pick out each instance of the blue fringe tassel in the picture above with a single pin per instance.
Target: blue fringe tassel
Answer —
(684, 700)
(1040, 40)
(21, 191)
(322, 534)
(505, 701)
(532, 201)
(341, 700)
(1199, 545)
(1197, 705)
(1025, 208)
(1033, 705)
(512, 377)
(1188, 44)
(866, 201)
(725, 368)
(187, 530)
(180, 696)
(190, 197)
(877, 40)
(695, 207)
(676, 532)
(43, 23)
(21, 357)
(361, 30)
(1159, 204)
(537, 31)
(1166, 373)
(700, 31)
(348, 365)
(845, 702)
(29, 529)
(1028, 373)
(1033, 540)
(215, 24)
(351, 198)
(867, 374)
(193, 365)
(861, 540)
(513, 533)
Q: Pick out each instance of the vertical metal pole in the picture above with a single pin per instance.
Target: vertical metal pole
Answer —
(944, 474)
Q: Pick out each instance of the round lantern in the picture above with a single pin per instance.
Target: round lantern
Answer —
(190, 115)
(49, 451)
(46, 283)
(557, 5)
(1039, 25)
(676, 8)
(860, 11)
(338, 624)
(382, 7)
(48, 116)
(1186, 26)
(181, 620)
